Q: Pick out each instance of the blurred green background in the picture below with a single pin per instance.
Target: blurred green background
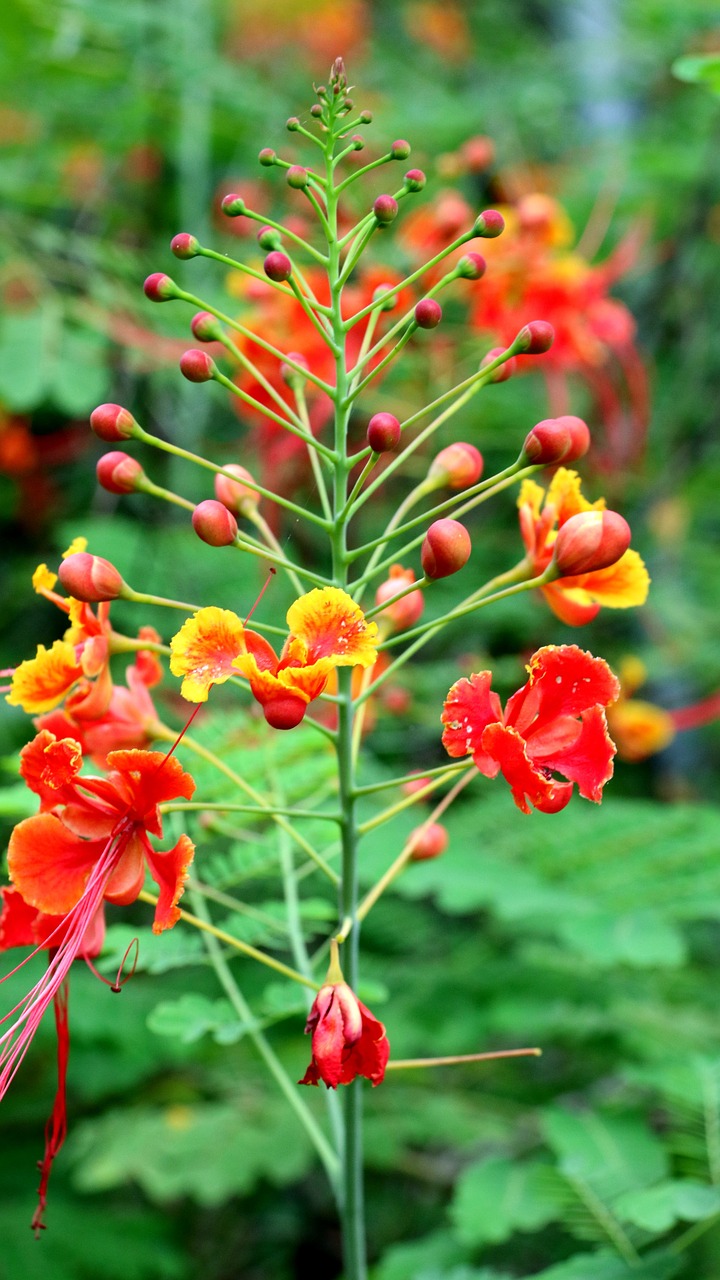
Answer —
(595, 933)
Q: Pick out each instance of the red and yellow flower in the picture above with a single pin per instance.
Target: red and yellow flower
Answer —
(555, 724)
(575, 600)
(327, 630)
(347, 1040)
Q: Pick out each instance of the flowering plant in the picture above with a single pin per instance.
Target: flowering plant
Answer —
(90, 844)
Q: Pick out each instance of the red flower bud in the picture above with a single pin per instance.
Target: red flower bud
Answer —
(277, 266)
(390, 299)
(428, 313)
(589, 541)
(233, 205)
(428, 842)
(385, 209)
(269, 238)
(292, 125)
(284, 713)
(113, 423)
(119, 473)
(503, 371)
(234, 494)
(359, 141)
(400, 149)
(297, 177)
(413, 785)
(90, 578)
(579, 436)
(197, 366)
(459, 466)
(160, 288)
(383, 433)
(489, 224)
(478, 153)
(316, 110)
(406, 611)
(267, 157)
(472, 266)
(446, 548)
(205, 328)
(184, 245)
(415, 180)
(365, 116)
(214, 523)
(535, 338)
(287, 372)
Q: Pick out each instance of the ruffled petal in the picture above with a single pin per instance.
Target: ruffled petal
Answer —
(332, 625)
(509, 749)
(565, 495)
(147, 779)
(589, 760)
(50, 767)
(368, 1056)
(40, 683)
(564, 681)
(469, 707)
(169, 870)
(49, 865)
(204, 649)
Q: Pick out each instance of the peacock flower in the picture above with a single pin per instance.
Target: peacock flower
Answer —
(575, 600)
(347, 1040)
(327, 630)
(555, 724)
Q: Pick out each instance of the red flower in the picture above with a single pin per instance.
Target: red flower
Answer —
(347, 1041)
(555, 723)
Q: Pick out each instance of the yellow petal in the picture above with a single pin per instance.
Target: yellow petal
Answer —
(203, 651)
(40, 683)
(77, 544)
(331, 625)
(43, 580)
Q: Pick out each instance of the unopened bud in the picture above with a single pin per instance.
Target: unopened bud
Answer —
(413, 785)
(489, 224)
(90, 578)
(277, 266)
(535, 338)
(297, 177)
(284, 712)
(556, 440)
(428, 842)
(316, 110)
(460, 465)
(428, 313)
(233, 206)
(206, 328)
(390, 299)
(113, 423)
(446, 548)
(400, 149)
(589, 541)
(119, 473)
(292, 125)
(214, 523)
(185, 245)
(365, 116)
(478, 153)
(472, 266)
(415, 180)
(358, 142)
(385, 209)
(383, 433)
(160, 288)
(290, 374)
(579, 436)
(503, 371)
(235, 494)
(406, 611)
(267, 157)
(197, 366)
(269, 238)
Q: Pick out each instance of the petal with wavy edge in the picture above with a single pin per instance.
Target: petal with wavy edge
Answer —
(204, 649)
(40, 683)
(333, 626)
(509, 749)
(49, 865)
(563, 681)
(169, 870)
(469, 707)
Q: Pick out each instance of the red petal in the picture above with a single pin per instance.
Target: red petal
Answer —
(469, 707)
(146, 779)
(369, 1055)
(510, 751)
(17, 920)
(49, 865)
(169, 871)
(128, 877)
(564, 681)
(589, 761)
(562, 601)
(50, 767)
(328, 1041)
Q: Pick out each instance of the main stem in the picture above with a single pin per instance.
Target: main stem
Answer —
(352, 1210)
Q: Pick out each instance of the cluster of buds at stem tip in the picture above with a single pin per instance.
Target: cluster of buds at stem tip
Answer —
(90, 578)
(446, 549)
(589, 541)
(459, 466)
(214, 523)
(428, 842)
(119, 473)
(235, 494)
(554, 440)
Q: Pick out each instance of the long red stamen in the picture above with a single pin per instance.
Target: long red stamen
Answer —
(120, 978)
(702, 712)
(266, 584)
(56, 1127)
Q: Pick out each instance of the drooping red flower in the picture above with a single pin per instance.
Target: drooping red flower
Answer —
(555, 724)
(347, 1040)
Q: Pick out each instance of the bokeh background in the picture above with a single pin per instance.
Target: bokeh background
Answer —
(596, 933)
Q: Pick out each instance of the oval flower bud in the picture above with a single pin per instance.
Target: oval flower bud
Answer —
(385, 209)
(160, 288)
(205, 328)
(489, 224)
(428, 313)
(503, 371)
(383, 432)
(446, 548)
(197, 366)
(119, 473)
(555, 440)
(472, 266)
(233, 206)
(406, 611)
(185, 245)
(460, 465)
(579, 436)
(214, 523)
(589, 541)
(535, 338)
(113, 423)
(90, 578)
(415, 180)
(234, 494)
(428, 842)
(277, 266)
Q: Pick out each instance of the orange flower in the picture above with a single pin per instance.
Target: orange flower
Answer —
(575, 600)
(327, 630)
